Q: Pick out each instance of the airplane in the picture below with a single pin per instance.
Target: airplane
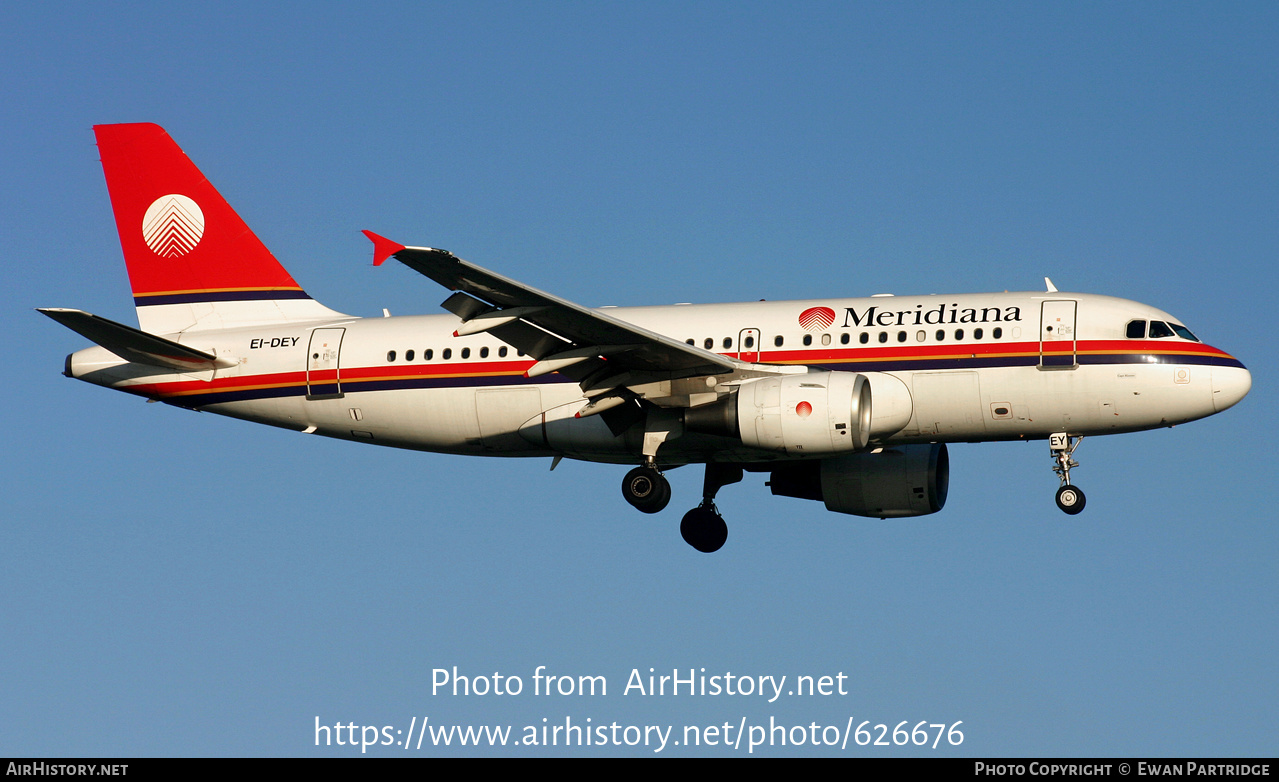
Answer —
(846, 401)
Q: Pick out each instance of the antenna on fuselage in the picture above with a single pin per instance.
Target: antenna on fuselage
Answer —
(1051, 288)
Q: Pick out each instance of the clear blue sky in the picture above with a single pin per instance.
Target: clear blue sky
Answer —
(182, 584)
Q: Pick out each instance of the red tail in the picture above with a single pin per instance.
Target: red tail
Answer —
(192, 261)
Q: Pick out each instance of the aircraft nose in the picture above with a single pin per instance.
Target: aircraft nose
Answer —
(1229, 385)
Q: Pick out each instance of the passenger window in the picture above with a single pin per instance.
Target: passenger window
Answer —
(977, 333)
(428, 354)
(750, 342)
(502, 351)
(997, 333)
(728, 342)
(883, 336)
(901, 336)
(1136, 329)
(864, 338)
(808, 340)
(825, 339)
(408, 355)
(959, 334)
(941, 335)
(1159, 329)
(466, 352)
(484, 352)
(708, 343)
(843, 338)
(689, 341)
(778, 340)
(390, 355)
(921, 335)
(447, 354)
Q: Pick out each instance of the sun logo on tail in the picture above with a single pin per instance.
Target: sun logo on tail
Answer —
(173, 225)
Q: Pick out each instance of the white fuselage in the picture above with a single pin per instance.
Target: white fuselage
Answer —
(942, 369)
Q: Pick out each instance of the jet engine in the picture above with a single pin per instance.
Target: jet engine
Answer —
(813, 413)
(905, 480)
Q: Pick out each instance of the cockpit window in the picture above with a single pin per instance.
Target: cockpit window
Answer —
(1183, 332)
(1159, 329)
(1136, 329)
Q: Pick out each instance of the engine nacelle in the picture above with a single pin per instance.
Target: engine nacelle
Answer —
(814, 413)
(905, 480)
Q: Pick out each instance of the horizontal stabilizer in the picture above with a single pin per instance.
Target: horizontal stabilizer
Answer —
(133, 345)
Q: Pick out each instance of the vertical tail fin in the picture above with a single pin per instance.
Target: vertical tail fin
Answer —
(193, 263)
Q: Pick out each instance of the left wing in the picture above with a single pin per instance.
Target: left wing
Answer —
(610, 358)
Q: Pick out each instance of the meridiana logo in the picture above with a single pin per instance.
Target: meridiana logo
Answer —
(172, 225)
(816, 318)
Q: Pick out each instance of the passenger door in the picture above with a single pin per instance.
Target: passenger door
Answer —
(1057, 335)
(323, 379)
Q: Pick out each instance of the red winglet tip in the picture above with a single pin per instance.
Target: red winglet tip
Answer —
(383, 248)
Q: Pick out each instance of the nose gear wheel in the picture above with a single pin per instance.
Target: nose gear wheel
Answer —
(1070, 498)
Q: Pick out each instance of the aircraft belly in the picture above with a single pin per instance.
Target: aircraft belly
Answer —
(501, 412)
(1149, 396)
(587, 438)
(433, 420)
(947, 404)
(1018, 402)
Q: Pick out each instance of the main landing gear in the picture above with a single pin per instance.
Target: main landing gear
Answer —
(1062, 447)
(647, 489)
(703, 528)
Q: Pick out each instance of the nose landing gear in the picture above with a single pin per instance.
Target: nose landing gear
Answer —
(1062, 447)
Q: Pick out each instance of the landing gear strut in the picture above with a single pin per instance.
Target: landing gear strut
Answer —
(702, 527)
(1062, 446)
(646, 489)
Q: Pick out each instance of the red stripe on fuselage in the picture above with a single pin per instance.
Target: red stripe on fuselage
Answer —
(515, 369)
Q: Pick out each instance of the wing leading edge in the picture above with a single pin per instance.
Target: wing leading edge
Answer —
(602, 353)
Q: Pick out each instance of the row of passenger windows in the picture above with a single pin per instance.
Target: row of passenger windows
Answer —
(447, 353)
(1136, 329)
(748, 343)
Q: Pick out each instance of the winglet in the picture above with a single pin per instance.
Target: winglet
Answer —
(383, 248)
